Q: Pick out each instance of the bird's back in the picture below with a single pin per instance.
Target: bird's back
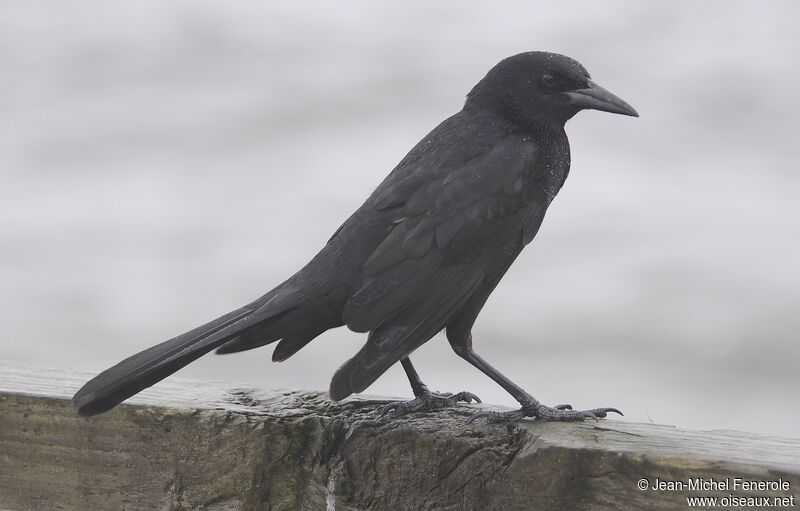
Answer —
(438, 229)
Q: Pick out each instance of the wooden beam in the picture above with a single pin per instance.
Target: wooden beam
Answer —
(199, 445)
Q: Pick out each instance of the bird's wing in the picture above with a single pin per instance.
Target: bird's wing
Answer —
(443, 224)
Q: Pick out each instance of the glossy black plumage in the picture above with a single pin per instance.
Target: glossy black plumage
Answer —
(425, 250)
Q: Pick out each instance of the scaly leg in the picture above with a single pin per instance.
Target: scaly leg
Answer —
(424, 399)
(530, 406)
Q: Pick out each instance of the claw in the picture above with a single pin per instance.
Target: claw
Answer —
(467, 397)
(479, 415)
(475, 416)
(601, 412)
(498, 417)
(428, 401)
(388, 408)
(545, 413)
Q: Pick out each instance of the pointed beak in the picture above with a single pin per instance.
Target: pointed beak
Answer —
(595, 97)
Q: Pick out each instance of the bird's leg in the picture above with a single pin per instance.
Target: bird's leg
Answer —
(424, 399)
(530, 406)
(417, 387)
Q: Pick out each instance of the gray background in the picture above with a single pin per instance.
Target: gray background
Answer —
(163, 163)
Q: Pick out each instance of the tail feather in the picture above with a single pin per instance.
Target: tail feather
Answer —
(152, 365)
(290, 345)
(246, 342)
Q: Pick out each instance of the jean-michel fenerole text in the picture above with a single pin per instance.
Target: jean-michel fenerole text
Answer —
(726, 484)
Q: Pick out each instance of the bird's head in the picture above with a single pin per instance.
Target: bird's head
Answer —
(540, 87)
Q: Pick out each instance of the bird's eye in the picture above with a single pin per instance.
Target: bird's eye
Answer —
(549, 81)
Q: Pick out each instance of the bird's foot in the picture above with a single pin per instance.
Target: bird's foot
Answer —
(542, 412)
(427, 400)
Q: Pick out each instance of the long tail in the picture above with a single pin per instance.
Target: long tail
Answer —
(278, 311)
(137, 372)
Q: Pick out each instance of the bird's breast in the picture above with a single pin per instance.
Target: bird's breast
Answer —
(554, 167)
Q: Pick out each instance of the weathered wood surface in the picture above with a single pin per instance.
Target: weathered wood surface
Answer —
(199, 445)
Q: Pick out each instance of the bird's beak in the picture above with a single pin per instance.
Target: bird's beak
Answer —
(595, 97)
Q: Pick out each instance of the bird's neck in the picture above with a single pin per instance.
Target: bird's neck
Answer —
(516, 122)
(550, 139)
(546, 129)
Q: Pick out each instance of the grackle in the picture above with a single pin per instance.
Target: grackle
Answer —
(421, 255)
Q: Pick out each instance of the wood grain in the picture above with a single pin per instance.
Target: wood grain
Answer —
(202, 445)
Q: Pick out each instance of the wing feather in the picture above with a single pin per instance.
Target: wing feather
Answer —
(443, 221)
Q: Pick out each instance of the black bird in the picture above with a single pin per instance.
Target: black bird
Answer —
(421, 255)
